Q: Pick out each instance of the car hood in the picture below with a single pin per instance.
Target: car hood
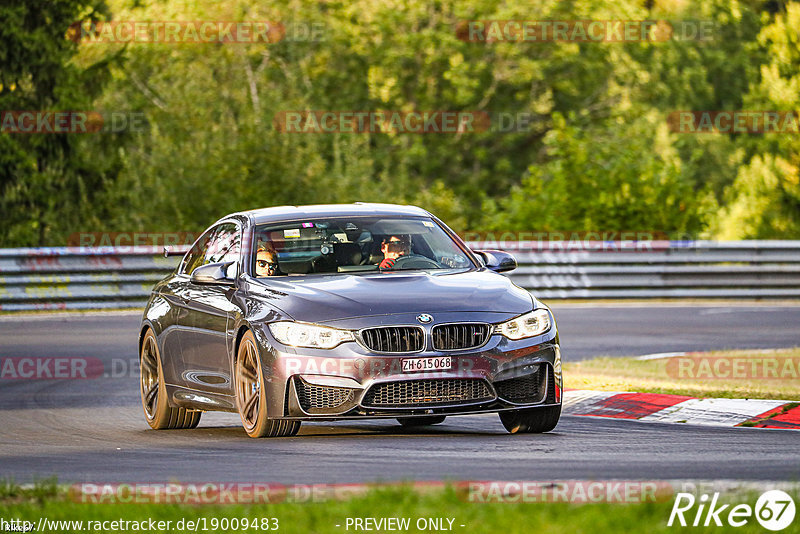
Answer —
(323, 298)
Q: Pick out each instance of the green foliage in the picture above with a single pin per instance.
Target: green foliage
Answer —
(764, 200)
(48, 182)
(621, 176)
(561, 506)
(597, 154)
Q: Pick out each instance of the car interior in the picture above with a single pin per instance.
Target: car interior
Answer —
(346, 246)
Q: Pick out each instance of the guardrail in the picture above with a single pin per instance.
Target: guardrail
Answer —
(658, 269)
(108, 277)
(80, 277)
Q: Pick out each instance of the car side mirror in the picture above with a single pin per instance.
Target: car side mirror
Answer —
(497, 260)
(214, 273)
(169, 250)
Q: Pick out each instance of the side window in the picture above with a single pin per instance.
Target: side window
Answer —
(221, 243)
(225, 244)
(194, 258)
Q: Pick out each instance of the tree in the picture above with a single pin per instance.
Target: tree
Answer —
(623, 175)
(47, 184)
(764, 200)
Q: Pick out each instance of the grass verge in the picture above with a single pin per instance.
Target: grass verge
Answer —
(53, 503)
(727, 374)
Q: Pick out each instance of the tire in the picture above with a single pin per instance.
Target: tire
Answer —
(157, 411)
(531, 420)
(251, 400)
(421, 421)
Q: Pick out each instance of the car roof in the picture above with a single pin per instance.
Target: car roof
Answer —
(283, 213)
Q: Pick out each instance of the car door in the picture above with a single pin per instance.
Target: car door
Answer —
(206, 364)
(177, 293)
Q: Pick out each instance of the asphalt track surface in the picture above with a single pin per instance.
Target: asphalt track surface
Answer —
(94, 431)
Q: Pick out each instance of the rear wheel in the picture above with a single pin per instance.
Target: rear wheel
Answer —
(157, 411)
(421, 421)
(251, 399)
(531, 420)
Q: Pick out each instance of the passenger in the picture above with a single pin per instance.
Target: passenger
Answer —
(394, 247)
(266, 260)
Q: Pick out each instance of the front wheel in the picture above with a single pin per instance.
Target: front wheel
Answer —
(251, 398)
(531, 420)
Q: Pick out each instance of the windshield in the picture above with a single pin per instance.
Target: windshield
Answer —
(354, 244)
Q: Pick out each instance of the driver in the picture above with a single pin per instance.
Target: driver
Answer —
(266, 260)
(394, 247)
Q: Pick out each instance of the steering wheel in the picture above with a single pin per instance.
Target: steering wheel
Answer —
(415, 261)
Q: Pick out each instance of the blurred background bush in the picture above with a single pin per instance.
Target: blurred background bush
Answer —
(597, 155)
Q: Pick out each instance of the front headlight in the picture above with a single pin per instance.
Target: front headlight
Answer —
(309, 335)
(528, 325)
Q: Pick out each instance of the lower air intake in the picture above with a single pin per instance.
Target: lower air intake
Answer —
(530, 388)
(414, 393)
(321, 399)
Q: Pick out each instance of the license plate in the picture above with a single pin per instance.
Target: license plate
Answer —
(426, 364)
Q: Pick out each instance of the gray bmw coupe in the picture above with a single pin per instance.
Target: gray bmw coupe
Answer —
(333, 312)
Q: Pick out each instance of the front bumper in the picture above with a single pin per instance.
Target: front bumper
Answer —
(350, 382)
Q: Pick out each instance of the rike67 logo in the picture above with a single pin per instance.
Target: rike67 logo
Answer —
(774, 510)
